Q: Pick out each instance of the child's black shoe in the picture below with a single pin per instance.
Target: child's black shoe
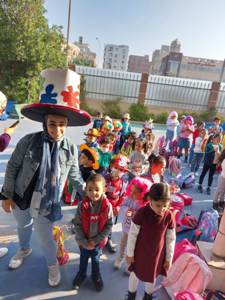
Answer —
(200, 188)
(147, 296)
(78, 281)
(130, 296)
(208, 191)
(215, 205)
(98, 282)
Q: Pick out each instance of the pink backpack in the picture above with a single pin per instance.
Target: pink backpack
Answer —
(189, 272)
(186, 295)
(174, 166)
(182, 247)
(186, 198)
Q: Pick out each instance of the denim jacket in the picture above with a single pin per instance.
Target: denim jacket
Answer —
(26, 159)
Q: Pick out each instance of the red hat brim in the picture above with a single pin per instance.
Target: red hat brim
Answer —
(37, 112)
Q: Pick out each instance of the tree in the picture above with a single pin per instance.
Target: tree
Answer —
(80, 61)
(27, 46)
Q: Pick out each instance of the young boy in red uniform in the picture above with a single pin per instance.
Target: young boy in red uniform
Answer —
(92, 223)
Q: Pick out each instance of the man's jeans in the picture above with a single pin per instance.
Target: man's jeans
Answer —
(95, 258)
(43, 228)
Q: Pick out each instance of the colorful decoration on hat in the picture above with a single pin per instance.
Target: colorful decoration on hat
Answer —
(117, 125)
(93, 153)
(71, 97)
(120, 162)
(60, 96)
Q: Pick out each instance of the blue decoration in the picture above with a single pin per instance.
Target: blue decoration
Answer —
(49, 96)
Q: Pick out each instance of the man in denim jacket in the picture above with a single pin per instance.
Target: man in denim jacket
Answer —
(38, 168)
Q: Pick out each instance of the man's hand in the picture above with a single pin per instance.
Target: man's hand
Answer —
(8, 205)
(130, 260)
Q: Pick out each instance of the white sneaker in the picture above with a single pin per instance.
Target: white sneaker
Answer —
(196, 174)
(54, 275)
(17, 260)
(118, 263)
(3, 251)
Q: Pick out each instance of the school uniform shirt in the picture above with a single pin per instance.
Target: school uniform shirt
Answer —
(198, 145)
(151, 241)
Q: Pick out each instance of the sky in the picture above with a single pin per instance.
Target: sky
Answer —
(144, 25)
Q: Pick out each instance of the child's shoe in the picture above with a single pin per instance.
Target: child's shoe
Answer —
(78, 281)
(17, 260)
(130, 296)
(98, 282)
(111, 248)
(3, 251)
(216, 205)
(118, 263)
(147, 296)
(200, 188)
(221, 204)
(208, 191)
(54, 276)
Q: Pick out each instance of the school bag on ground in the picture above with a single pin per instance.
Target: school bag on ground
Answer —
(189, 272)
(186, 181)
(207, 225)
(187, 295)
(62, 255)
(184, 246)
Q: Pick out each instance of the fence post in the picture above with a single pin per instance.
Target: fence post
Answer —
(72, 67)
(213, 95)
(143, 88)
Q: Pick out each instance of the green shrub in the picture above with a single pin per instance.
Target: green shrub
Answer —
(112, 108)
(138, 112)
(161, 118)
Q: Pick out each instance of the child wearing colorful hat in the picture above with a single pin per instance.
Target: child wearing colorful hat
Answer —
(88, 161)
(91, 137)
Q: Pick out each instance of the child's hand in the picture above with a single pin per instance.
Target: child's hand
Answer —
(130, 260)
(167, 265)
(91, 245)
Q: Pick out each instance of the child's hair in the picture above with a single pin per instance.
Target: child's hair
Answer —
(140, 183)
(104, 141)
(154, 159)
(148, 146)
(159, 192)
(216, 119)
(139, 140)
(96, 178)
(221, 157)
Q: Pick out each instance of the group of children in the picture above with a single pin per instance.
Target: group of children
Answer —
(123, 173)
(123, 179)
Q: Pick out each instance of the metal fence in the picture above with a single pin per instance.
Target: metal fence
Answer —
(161, 91)
(178, 92)
(221, 99)
(106, 84)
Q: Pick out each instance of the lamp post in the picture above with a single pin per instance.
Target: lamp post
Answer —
(99, 45)
(68, 32)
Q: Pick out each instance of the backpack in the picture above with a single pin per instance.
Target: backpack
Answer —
(186, 295)
(207, 225)
(214, 295)
(174, 165)
(182, 247)
(62, 255)
(186, 181)
(189, 272)
(186, 198)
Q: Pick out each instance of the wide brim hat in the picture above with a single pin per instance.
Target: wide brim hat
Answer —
(93, 132)
(126, 116)
(93, 153)
(60, 96)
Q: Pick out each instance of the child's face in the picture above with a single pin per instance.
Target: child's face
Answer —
(84, 161)
(95, 190)
(158, 168)
(130, 140)
(135, 193)
(116, 173)
(91, 138)
(159, 207)
(138, 146)
(136, 170)
(202, 133)
(173, 117)
(217, 122)
(216, 140)
(105, 148)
